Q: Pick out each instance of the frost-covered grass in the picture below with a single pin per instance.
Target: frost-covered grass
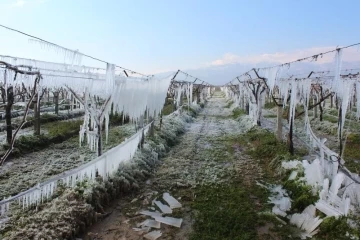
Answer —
(229, 104)
(79, 204)
(25, 171)
(237, 112)
(269, 105)
(301, 194)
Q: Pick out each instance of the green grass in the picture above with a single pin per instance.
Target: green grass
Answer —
(237, 112)
(269, 105)
(63, 128)
(264, 144)
(226, 212)
(352, 153)
(300, 194)
(270, 116)
(57, 132)
(167, 109)
(117, 119)
(336, 229)
(330, 118)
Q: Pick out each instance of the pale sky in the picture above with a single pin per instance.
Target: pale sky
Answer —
(215, 39)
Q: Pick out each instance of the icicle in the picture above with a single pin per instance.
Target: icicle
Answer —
(335, 185)
(110, 78)
(106, 127)
(293, 100)
(73, 56)
(313, 174)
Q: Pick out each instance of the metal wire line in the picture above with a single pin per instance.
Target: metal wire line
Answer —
(54, 44)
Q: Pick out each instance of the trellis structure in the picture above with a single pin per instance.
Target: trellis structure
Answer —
(133, 96)
(327, 174)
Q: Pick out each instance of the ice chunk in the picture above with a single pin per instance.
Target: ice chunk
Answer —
(151, 214)
(164, 208)
(346, 206)
(153, 235)
(142, 230)
(276, 210)
(307, 221)
(176, 222)
(293, 175)
(326, 208)
(290, 164)
(150, 223)
(336, 184)
(313, 174)
(173, 203)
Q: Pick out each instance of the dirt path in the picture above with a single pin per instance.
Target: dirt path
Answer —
(204, 156)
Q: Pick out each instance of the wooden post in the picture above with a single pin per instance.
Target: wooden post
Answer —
(56, 100)
(10, 101)
(336, 102)
(3, 95)
(340, 133)
(152, 129)
(198, 96)
(160, 120)
(315, 109)
(71, 102)
(99, 139)
(36, 115)
(279, 129)
(331, 101)
(290, 138)
(321, 111)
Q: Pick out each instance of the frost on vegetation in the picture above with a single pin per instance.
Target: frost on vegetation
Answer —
(246, 123)
(293, 164)
(61, 218)
(87, 196)
(313, 174)
(336, 187)
(104, 166)
(280, 199)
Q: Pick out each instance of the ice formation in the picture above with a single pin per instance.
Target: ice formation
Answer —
(173, 203)
(105, 166)
(337, 187)
(306, 221)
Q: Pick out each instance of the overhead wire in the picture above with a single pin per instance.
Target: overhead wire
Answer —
(313, 57)
(67, 49)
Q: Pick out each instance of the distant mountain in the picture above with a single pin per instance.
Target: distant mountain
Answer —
(219, 75)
